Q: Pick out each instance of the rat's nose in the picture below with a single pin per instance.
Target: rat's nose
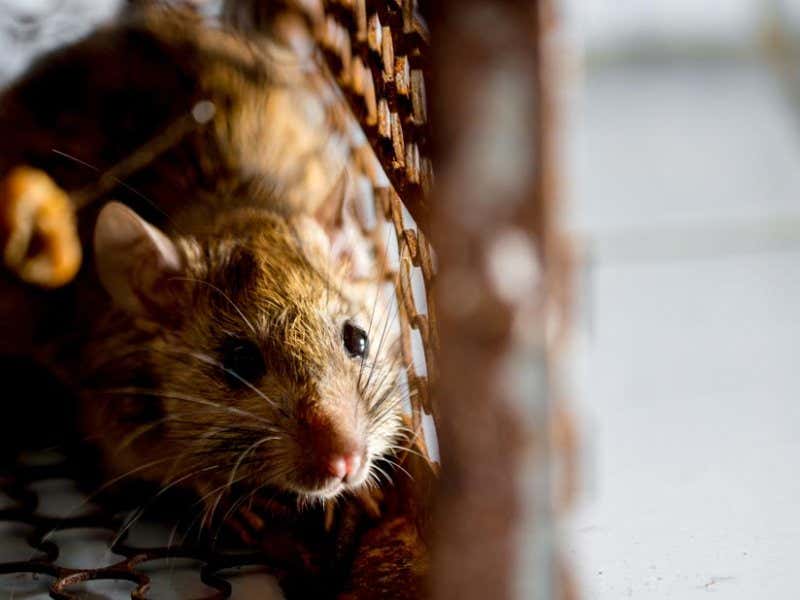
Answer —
(345, 466)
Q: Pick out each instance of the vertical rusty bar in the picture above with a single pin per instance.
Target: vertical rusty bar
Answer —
(490, 228)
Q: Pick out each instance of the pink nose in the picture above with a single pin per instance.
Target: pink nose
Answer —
(345, 466)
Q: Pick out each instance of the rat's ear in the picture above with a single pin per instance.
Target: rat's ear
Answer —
(319, 231)
(136, 262)
(333, 233)
(314, 240)
(330, 212)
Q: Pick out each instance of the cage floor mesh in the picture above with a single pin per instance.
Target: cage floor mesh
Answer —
(57, 542)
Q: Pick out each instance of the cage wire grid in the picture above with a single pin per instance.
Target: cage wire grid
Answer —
(37, 572)
(379, 54)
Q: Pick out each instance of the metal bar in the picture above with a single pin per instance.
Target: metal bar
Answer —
(491, 224)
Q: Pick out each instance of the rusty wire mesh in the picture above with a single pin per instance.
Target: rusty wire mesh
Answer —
(379, 53)
(43, 515)
(382, 167)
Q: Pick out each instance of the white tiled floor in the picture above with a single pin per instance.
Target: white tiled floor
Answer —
(688, 195)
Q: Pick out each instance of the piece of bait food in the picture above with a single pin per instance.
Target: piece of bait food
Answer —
(38, 233)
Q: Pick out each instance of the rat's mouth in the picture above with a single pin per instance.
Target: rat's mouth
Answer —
(324, 488)
(324, 492)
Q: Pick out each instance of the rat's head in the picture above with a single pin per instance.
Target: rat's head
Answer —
(256, 363)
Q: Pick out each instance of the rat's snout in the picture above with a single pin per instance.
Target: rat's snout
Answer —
(346, 467)
(335, 447)
(337, 454)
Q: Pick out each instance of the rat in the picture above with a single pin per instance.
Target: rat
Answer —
(215, 335)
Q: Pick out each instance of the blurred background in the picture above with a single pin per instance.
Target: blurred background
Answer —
(682, 173)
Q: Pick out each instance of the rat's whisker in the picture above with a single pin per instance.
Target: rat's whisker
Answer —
(140, 431)
(403, 449)
(383, 385)
(185, 398)
(215, 363)
(223, 294)
(192, 449)
(139, 512)
(385, 405)
(82, 199)
(377, 469)
(369, 332)
(244, 454)
(382, 339)
(397, 465)
(204, 358)
(226, 487)
(240, 502)
(103, 488)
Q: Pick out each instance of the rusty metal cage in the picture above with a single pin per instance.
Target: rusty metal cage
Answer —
(498, 288)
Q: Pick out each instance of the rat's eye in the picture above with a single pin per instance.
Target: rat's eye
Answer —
(243, 358)
(355, 340)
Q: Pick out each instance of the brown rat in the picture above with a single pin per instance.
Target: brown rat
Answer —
(220, 341)
(239, 351)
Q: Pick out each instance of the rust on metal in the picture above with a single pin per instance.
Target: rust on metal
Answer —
(491, 226)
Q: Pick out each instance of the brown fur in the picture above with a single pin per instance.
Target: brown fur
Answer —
(250, 277)
(236, 197)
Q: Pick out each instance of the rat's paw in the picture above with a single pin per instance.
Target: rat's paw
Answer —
(391, 561)
(38, 235)
(365, 503)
